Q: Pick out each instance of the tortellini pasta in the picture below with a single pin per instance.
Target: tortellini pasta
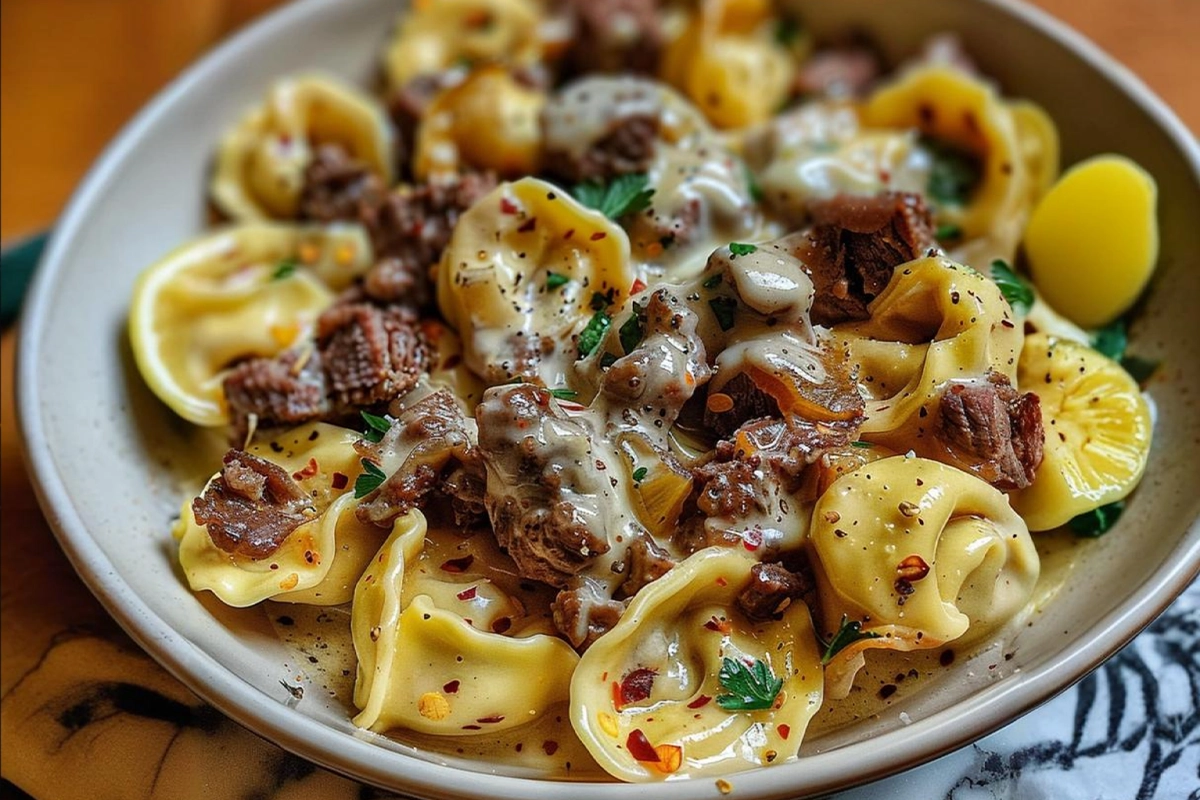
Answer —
(319, 562)
(251, 290)
(424, 667)
(920, 554)
(1098, 431)
(437, 34)
(261, 161)
(676, 635)
(935, 323)
(495, 284)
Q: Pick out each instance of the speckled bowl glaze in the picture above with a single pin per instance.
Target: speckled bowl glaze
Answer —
(94, 434)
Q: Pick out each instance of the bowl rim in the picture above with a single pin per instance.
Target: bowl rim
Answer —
(892, 752)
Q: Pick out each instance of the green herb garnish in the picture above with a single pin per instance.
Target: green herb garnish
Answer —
(376, 426)
(626, 194)
(1140, 369)
(861, 443)
(639, 474)
(751, 688)
(600, 300)
(1016, 291)
(593, 334)
(1111, 340)
(948, 231)
(564, 394)
(713, 282)
(370, 480)
(631, 330)
(848, 632)
(1097, 521)
(753, 187)
(555, 280)
(739, 249)
(953, 174)
(787, 31)
(284, 269)
(722, 308)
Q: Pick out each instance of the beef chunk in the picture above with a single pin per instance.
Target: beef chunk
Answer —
(645, 562)
(252, 506)
(788, 446)
(549, 503)
(838, 72)
(730, 488)
(287, 390)
(429, 448)
(615, 36)
(855, 245)
(370, 354)
(583, 612)
(772, 589)
(627, 147)
(337, 186)
(992, 431)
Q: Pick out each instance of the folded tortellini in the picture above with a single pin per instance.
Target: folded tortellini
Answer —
(422, 665)
(436, 35)
(320, 561)
(520, 275)
(935, 322)
(918, 553)
(648, 699)
(261, 161)
(251, 290)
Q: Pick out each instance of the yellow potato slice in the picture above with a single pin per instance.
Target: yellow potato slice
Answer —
(1093, 240)
(1098, 431)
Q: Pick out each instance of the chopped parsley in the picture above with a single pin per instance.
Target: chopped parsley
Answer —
(284, 269)
(564, 394)
(948, 231)
(848, 632)
(787, 31)
(753, 188)
(376, 426)
(1016, 291)
(626, 194)
(556, 280)
(723, 308)
(739, 249)
(593, 334)
(953, 173)
(371, 479)
(1097, 522)
(861, 443)
(639, 474)
(751, 688)
(631, 330)
(1113, 340)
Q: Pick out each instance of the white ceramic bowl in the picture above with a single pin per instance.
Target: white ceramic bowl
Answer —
(95, 435)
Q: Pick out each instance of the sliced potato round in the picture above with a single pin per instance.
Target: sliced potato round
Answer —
(1092, 242)
(253, 290)
(1098, 431)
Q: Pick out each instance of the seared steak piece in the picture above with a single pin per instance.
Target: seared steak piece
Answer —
(627, 147)
(370, 355)
(992, 430)
(615, 36)
(583, 612)
(287, 390)
(771, 590)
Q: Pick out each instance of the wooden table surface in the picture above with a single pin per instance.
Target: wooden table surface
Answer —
(73, 71)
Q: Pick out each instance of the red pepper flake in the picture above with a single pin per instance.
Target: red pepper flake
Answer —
(595, 237)
(309, 470)
(640, 748)
(451, 687)
(550, 747)
(721, 581)
(340, 481)
(501, 625)
(636, 686)
(527, 225)
(494, 718)
(508, 206)
(466, 594)
(639, 285)
(700, 701)
(458, 564)
(569, 234)
(719, 625)
(752, 539)
(785, 730)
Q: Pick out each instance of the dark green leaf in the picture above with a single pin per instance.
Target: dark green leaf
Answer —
(713, 282)
(753, 188)
(284, 269)
(639, 474)
(848, 632)
(948, 231)
(599, 301)
(739, 249)
(1112, 340)
(370, 479)
(1016, 291)
(564, 394)
(751, 688)
(1097, 521)
(1140, 369)
(554, 280)
(631, 330)
(953, 173)
(593, 334)
(787, 30)
(376, 426)
(861, 443)
(723, 308)
(626, 194)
